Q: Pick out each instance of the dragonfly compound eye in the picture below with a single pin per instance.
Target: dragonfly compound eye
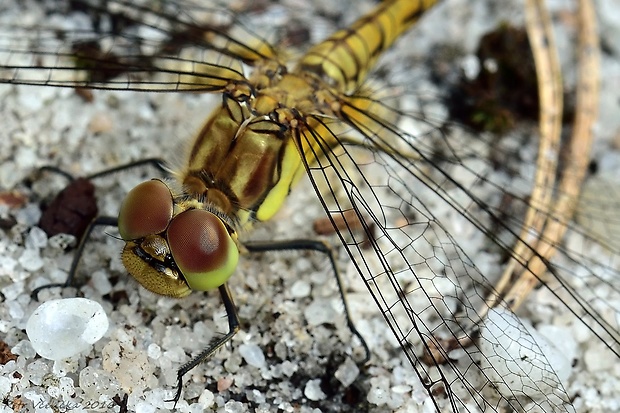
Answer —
(146, 210)
(202, 248)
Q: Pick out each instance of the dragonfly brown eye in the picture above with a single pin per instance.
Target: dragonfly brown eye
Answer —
(146, 210)
(202, 249)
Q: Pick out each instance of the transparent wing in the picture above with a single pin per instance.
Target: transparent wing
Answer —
(173, 45)
(435, 281)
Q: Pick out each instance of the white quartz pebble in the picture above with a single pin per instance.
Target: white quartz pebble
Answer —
(347, 372)
(313, 390)
(252, 354)
(62, 328)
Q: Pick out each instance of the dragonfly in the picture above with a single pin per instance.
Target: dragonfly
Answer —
(317, 114)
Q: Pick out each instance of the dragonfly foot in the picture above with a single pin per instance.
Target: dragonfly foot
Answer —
(177, 395)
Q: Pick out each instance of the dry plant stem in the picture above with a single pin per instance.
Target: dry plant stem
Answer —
(548, 216)
(549, 76)
(530, 241)
(578, 157)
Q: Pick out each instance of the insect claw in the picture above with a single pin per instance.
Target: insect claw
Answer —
(177, 395)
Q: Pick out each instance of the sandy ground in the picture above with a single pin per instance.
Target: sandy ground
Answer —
(293, 339)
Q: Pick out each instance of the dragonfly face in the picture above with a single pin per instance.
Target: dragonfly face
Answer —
(171, 248)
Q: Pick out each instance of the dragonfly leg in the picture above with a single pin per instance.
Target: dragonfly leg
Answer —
(156, 163)
(98, 221)
(233, 328)
(319, 246)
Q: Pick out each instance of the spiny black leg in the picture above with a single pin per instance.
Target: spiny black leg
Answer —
(233, 328)
(99, 221)
(156, 163)
(319, 246)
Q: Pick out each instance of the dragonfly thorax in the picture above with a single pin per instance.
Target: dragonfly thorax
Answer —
(246, 157)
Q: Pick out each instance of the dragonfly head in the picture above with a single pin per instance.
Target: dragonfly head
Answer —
(171, 250)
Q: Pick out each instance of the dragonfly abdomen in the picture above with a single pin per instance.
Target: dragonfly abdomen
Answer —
(344, 59)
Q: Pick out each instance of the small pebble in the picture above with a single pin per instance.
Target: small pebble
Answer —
(377, 396)
(154, 351)
(31, 260)
(12, 291)
(37, 238)
(96, 383)
(59, 329)
(300, 289)
(5, 386)
(62, 241)
(24, 349)
(347, 372)
(234, 407)
(252, 354)
(206, 398)
(401, 389)
(379, 391)
(101, 282)
(320, 312)
(313, 390)
(16, 310)
(224, 384)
